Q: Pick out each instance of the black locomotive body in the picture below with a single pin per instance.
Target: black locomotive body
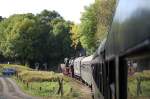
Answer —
(128, 45)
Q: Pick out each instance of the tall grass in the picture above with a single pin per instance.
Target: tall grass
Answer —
(39, 76)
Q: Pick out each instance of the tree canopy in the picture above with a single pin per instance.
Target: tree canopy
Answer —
(29, 38)
(48, 38)
(95, 24)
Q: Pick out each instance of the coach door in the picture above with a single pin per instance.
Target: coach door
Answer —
(110, 80)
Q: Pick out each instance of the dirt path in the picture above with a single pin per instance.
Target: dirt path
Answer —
(9, 90)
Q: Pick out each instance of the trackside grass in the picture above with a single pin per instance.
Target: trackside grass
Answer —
(46, 88)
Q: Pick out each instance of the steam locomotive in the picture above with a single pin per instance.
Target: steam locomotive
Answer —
(120, 68)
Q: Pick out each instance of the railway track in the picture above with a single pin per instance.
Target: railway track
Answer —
(84, 89)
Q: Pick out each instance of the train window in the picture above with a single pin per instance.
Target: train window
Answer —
(138, 78)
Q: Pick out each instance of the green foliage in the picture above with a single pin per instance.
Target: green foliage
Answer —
(61, 39)
(75, 35)
(42, 38)
(105, 14)
(95, 23)
(88, 28)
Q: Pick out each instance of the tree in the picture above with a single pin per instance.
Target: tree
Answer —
(75, 35)
(88, 28)
(105, 14)
(95, 23)
(62, 41)
(44, 38)
(17, 36)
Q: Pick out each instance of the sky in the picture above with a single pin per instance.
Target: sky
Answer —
(69, 9)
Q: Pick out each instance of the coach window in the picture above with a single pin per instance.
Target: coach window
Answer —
(138, 78)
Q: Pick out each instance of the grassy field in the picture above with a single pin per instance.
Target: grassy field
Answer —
(42, 83)
(46, 88)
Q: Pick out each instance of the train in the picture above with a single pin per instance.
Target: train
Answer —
(120, 68)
